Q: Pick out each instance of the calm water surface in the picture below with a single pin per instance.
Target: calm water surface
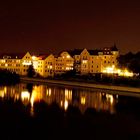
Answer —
(77, 113)
(63, 96)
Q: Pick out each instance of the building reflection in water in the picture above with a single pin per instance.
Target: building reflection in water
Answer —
(81, 98)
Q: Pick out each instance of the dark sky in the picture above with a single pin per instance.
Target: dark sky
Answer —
(54, 25)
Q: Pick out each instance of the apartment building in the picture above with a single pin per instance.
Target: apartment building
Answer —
(94, 61)
(83, 61)
(44, 65)
(63, 63)
(18, 63)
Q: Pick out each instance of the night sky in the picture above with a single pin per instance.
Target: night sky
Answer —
(55, 25)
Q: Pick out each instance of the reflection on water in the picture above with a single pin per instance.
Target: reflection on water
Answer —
(81, 98)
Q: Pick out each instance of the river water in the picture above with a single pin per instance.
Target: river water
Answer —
(80, 113)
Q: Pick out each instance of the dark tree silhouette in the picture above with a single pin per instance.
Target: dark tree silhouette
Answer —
(131, 61)
(31, 71)
(29, 87)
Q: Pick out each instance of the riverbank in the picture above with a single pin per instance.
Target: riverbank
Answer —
(81, 84)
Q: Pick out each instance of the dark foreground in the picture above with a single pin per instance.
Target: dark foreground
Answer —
(51, 122)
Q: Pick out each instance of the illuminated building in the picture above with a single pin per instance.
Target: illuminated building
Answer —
(44, 65)
(18, 63)
(63, 63)
(83, 61)
(94, 61)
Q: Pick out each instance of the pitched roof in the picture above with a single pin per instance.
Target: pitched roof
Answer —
(94, 52)
(75, 52)
(42, 56)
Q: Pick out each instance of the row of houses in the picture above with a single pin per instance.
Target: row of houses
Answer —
(82, 60)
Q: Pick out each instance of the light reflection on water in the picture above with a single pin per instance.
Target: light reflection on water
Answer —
(81, 98)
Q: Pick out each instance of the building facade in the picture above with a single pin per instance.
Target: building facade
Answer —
(63, 63)
(44, 65)
(83, 61)
(94, 61)
(18, 63)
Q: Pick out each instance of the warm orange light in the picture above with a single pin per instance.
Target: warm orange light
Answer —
(83, 100)
(25, 95)
(120, 72)
(110, 98)
(48, 92)
(68, 56)
(84, 61)
(34, 57)
(2, 93)
(27, 63)
(66, 104)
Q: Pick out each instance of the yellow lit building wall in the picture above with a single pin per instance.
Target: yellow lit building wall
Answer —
(17, 65)
(86, 63)
(77, 63)
(26, 61)
(39, 67)
(83, 63)
(49, 66)
(12, 65)
(95, 64)
(63, 63)
(85, 57)
(109, 60)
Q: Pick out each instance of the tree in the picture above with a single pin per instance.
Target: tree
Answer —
(131, 61)
(31, 71)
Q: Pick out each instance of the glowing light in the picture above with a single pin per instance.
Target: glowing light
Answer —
(48, 92)
(61, 103)
(34, 57)
(25, 95)
(83, 100)
(27, 63)
(32, 101)
(67, 68)
(128, 74)
(110, 98)
(110, 70)
(50, 67)
(35, 64)
(5, 89)
(33, 97)
(68, 94)
(120, 72)
(65, 104)
(1, 93)
(68, 56)
(36, 95)
(3, 61)
(84, 61)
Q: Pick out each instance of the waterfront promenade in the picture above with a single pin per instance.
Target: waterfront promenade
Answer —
(82, 84)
